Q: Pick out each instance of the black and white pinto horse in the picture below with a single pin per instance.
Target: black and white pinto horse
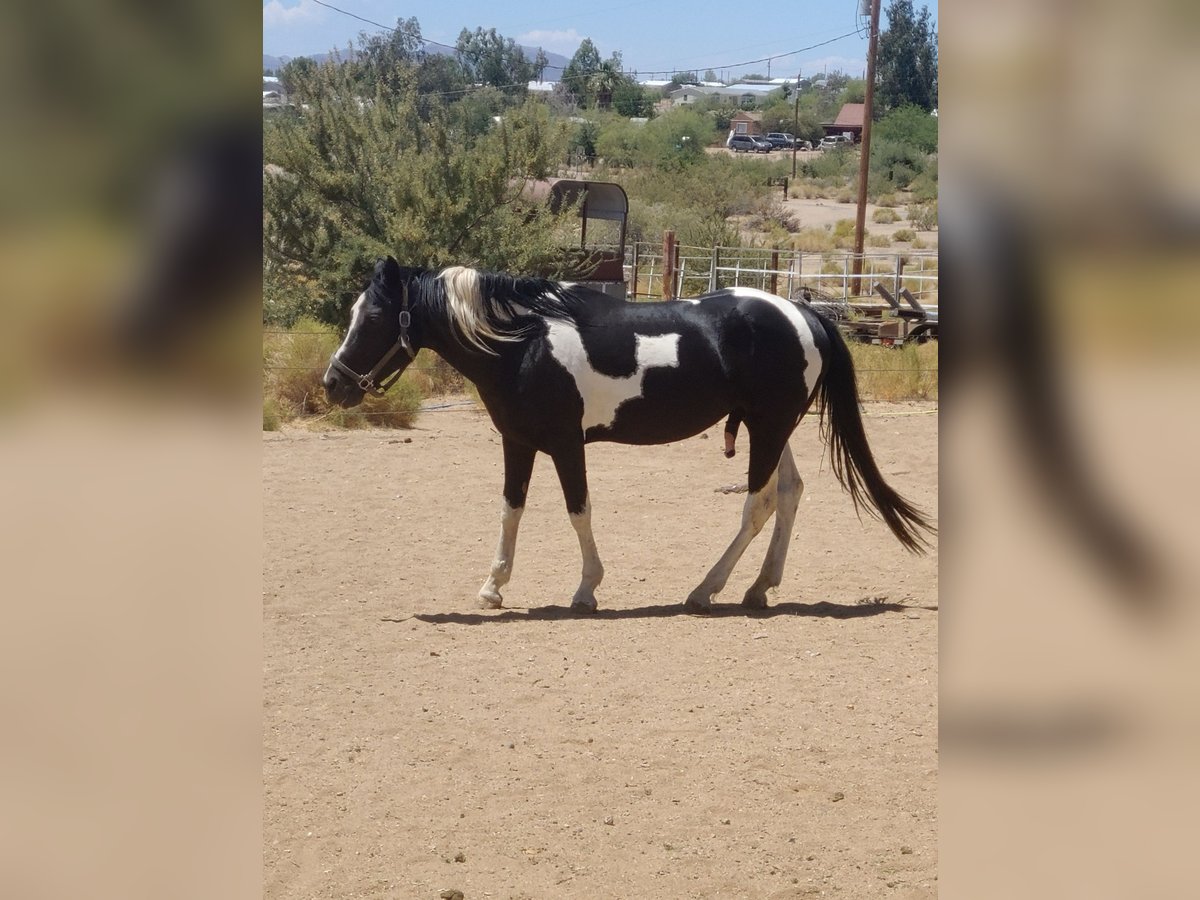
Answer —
(559, 366)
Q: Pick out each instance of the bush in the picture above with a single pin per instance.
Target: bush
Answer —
(909, 372)
(923, 216)
(294, 363)
(885, 216)
(878, 240)
(903, 234)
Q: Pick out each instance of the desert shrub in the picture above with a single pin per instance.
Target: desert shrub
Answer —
(908, 372)
(923, 216)
(885, 216)
(925, 186)
(813, 240)
(844, 228)
(918, 244)
(271, 417)
(878, 240)
(903, 234)
(886, 200)
(294, 362)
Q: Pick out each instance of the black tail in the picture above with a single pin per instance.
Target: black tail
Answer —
(850, 455)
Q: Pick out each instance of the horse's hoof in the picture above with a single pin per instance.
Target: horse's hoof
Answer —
(490, 601)
(755, 599)
(583, 606)
(698, 603)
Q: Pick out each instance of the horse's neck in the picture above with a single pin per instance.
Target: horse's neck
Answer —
(469, 361)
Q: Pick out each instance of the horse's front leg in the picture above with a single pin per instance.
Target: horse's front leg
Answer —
(572, 474)
(518, 467)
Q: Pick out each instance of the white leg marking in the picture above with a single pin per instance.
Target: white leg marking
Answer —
(602, 394)
(791, 486)
(813, 364)
(489, 594)
(757, 509)
(593, 569)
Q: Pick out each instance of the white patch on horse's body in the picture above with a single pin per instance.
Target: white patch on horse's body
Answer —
(813, 363)
(603, 394)
(691, 300)
(355, 312)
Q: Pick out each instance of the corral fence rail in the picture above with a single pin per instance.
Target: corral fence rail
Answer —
(829, 273)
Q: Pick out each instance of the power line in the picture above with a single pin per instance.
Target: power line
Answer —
(672, 71)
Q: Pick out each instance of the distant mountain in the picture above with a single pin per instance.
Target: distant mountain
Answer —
(554, 69)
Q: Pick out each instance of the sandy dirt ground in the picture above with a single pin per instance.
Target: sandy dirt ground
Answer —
(415, 744)
(818, 212)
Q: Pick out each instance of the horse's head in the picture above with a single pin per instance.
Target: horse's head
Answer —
(379, 342)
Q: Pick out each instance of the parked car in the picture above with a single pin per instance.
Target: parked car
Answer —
(803, 145)
(748, 143)
(834, 141)
(781, 140)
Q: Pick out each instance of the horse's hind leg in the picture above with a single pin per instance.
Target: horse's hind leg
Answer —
(790, 487)
(518, 467)
(758, 508)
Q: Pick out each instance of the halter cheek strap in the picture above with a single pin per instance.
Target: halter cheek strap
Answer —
(367, 382)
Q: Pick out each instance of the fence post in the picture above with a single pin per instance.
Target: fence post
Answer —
(845, 277)
(668, 271)
(677, 283)
(774, 271)
(712, 271)
(899, 275)
(634, 271)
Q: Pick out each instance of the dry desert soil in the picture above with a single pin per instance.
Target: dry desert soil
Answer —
(415, 745)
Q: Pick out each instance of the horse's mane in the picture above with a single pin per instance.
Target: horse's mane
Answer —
(484, 305)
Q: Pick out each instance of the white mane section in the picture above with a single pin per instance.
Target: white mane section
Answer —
(603, 394)
(465, 302)
(813, 363)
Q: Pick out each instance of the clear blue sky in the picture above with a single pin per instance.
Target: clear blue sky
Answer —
(650, 35)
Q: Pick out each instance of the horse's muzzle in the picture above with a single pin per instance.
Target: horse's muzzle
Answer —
(340, 391)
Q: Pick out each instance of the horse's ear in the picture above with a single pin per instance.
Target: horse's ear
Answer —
(387, 272)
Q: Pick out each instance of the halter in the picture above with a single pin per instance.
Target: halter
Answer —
(367, 382)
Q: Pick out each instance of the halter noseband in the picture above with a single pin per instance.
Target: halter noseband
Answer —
(367, 382)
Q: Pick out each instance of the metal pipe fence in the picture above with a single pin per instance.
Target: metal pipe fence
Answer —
(785, 272)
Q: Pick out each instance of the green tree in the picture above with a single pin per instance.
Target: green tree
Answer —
(579, 71)
(539, 63)
(384, 58)
(490, 58)
(909, 125)
(630, 99)
(906, 63)
(606, 79)
(295, 75)
(710, 75)
(364, 179)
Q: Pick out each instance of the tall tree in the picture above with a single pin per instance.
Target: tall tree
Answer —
(490, 58)
(579, 71)
(606, 79)
(906, 63)
(540, 62)
(363, 180)
(384, 58)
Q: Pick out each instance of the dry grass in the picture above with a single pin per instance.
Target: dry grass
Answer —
(909, 372)
(885, 216)
(293, 364)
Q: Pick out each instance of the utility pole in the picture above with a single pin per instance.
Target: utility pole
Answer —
(796, 122)
(864, 160)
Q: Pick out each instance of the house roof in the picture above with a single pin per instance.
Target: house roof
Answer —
(850, 115)
(744, 114)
